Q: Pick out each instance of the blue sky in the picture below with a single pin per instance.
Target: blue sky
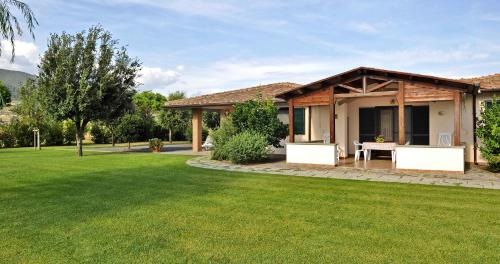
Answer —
(207, 46)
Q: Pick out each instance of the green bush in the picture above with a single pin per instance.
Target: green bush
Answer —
(246, 147)
(100, 134)
(260, 116)
(221, 137)
(69, 132)
(488, 131)
(52, 133)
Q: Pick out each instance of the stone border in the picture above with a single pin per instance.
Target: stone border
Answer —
(485, 181)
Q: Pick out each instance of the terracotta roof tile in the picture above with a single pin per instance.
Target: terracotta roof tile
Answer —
(268, 91)
(488, 82)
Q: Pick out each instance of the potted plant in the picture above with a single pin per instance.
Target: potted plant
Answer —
(380, 139)
(155, 144)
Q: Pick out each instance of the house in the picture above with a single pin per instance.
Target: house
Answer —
(327, 115)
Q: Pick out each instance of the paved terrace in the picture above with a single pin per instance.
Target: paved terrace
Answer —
(475, 177)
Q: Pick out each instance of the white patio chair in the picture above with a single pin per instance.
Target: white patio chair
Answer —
(444, 139)
(357, 149)
(209, 144)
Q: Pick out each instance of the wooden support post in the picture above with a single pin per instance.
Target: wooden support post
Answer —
(458, 116)
(401, 113)
(331, 104)
(309, 124)
(290, 121)
(364, 84)
(197, 116)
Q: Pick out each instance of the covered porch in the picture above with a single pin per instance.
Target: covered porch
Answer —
(360, 104)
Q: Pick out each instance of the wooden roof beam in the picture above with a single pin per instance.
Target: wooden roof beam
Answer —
(350, 88)
(373, 94)
(379, 86)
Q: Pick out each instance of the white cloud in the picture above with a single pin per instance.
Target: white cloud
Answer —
(364, 27)
(154, 78)
(26, 58)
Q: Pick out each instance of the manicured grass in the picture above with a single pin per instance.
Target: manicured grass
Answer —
(109, 207)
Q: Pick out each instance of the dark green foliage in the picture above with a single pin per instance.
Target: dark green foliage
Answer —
(211, 119)
(488, 130)
(81, 76)
(52, 133)
(260, 116)
(5, 96)
(16, 134)
(129, 128)
(69, 131)
(221, 137)
(246, 147)
(100, 134)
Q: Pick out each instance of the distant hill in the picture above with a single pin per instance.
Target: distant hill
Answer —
(14, 80)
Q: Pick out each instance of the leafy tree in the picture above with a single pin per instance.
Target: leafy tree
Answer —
(5, 97)
(488, 131)
(9, 23)
(211, 119)
(149, 103)
(81, 75)
(30, 108)
(260, 116)
(129, 128)
(174, 120)
(99, 133)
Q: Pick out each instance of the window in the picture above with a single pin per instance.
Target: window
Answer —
(299, 121)
(489, 103)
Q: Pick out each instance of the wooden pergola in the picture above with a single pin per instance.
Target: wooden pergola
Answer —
(370, 82)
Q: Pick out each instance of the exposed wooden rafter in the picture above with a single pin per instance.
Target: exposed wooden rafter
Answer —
(372, 94)
(348, 87)
(379, 86)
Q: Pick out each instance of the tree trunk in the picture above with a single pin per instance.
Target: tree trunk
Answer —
(112, 139)
(170, 136)
(129, 145)
(79, 142)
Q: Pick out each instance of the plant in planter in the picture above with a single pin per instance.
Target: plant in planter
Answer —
(155, 144)
(380, 139)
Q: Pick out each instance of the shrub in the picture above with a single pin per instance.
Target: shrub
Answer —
(155, 144)
(69, 132)
(221, 137)
(52, 133)
(260, 116)
(246, 147)
(100, 134)
(489, 132)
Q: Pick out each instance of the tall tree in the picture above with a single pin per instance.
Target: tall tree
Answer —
(9, 23)
(5, 96)
(173, 120)
(149, 103)
(30, 109)
(81, 75)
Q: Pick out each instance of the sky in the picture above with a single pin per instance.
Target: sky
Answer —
(206, 46)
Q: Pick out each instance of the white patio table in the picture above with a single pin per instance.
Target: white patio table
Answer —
(369, 146)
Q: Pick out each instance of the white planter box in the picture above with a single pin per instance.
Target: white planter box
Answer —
(311, 153)
(430, 158)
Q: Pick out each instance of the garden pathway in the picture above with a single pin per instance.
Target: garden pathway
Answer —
(475, 177)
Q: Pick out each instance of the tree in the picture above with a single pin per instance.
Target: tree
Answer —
(30, 108)
(149, 103)
(260, 116)
(211, 119)
(129, 128)
(173, 120)
(4, 95)
(9, 23)
(488, 130)
(81, 76)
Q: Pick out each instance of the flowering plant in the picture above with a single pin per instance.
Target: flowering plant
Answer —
(380, 139)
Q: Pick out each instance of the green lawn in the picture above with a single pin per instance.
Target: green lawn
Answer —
(112, 207)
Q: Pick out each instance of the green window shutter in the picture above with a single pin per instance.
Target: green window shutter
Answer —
(299, 121)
